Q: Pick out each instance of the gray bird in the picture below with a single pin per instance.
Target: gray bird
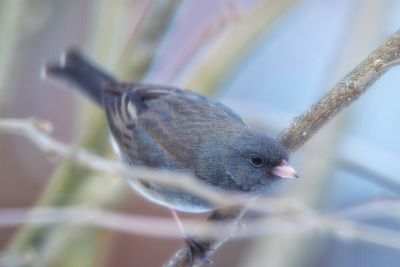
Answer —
(170, 128)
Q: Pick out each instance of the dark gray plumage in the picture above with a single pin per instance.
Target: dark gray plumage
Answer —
(171, 128)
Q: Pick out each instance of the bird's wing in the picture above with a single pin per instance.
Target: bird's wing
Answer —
(136, 145)
(164, 124)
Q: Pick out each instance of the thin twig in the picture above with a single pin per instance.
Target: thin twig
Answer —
(336, 222)
(344, 93)
(38, 132)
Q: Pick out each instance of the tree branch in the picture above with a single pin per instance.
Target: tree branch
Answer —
(343, 94)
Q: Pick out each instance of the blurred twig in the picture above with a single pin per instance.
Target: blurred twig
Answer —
(344, 93)
(38, 132)
(337, 221)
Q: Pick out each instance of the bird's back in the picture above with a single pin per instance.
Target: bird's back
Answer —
(172, 122)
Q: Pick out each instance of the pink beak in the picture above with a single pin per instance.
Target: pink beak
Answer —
(284, 170)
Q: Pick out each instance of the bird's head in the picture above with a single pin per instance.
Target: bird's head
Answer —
(256, 161)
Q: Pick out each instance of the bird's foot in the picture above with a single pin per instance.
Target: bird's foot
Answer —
(198, 251)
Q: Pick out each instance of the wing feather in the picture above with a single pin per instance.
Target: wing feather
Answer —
(160, 125)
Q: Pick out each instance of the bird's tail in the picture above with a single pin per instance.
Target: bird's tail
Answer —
(78, 71)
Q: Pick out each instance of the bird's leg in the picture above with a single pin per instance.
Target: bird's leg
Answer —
(196, 248)
(178, 221)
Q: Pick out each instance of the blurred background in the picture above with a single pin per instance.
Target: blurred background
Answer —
(269, 60)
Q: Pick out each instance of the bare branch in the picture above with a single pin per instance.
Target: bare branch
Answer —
(38, 132)
(344, 93)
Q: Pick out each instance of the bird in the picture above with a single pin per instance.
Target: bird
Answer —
(175, 129)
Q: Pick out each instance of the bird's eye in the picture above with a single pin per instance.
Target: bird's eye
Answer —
(256, 161)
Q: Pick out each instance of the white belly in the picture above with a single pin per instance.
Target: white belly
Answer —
(172, 203)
